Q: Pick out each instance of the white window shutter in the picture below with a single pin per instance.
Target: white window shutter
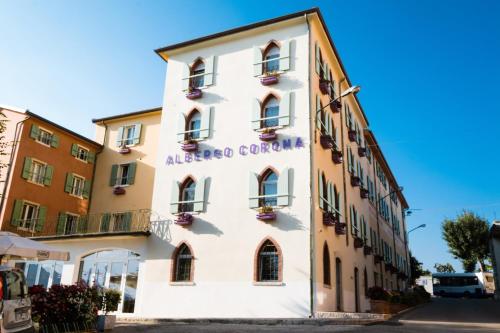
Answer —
(186, 71)
(174, 198)
(137, 133)
(256, 114)
(285, 56)
(199, 196)
(317, 63)
(253, 192)
(257, 61)
(209, 71)
(206, 118)
(320, 190)
(284, 111)
(181, 127)
(284, 188)
(119, 137)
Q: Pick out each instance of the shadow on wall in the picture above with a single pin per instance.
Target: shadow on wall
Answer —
(287, 222)
(203, 227)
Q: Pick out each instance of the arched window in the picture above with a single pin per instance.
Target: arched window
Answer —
(338, 283)
(271, 57)
(326, 266)
(183, 264)
(268, 263)
(187, 193)
(197, 79)
(193, 125)
(270, 112)
(269, 189)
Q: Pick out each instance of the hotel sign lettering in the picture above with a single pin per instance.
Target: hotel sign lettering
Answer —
(229, 152)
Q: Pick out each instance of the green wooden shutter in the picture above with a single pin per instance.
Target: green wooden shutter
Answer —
(49, 171)
(114, 174)
(105, 219)
(16, 212)
(285, 56)
(26, 168)
(209, 71)
(35, 131)
(61, 223)
(119, 136)
(284, 109)
(325, 72)
(174, 197)
(131, 173)
(42, 213)
(74, 149)
(86, 189)
(137, 134)
(54, 142)
(82, 224)
(206, 118)
(318, 61)
(256, 114)
(199, 196)
(319, 123)
(284, 187)
(253, 193)
(257, 61)
(91, 157)
(68, 186)
(320, 191)
(127, 224)
(331, 199)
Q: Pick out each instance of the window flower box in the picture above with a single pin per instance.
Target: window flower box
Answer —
(362, 151)
(388, 267)
(330, 219)
(324, 86)
(326, 141)
(336, 106)
(352, 135)
(337, 156)
(394, 270)
(367, 250)
(358, 242)
(266, 213)
(270, 78)
(119, 190)
(124, 150)
(377, 258)
(268, 135)
(194, 93)
(189, 146)
(355, 181)
(340, 228)
(363, 193)
(184, 219)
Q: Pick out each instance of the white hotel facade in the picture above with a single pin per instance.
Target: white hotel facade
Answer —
(265, 204)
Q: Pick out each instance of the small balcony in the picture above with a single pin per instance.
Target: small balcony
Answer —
(337, 156)
(330, 219)
(324, 86)
(326, 141)
(355, 180)
(363, 193)
(336, 106)
(358, 242)
(194, 93)
(270, 78)
(362, 151)
(377, 258)
(340, 228)
(133, 223)
(352, 135)
(367, 250)
(266, 214)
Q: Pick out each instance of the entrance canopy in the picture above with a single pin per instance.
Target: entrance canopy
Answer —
(13, 246)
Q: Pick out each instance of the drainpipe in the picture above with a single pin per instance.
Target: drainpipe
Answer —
(95, 166)
(344, 153)
(17, 134)
(377, 203)
(312, 137)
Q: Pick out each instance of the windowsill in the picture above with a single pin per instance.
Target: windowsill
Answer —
(43, 144)
(125, 185)
(35, 183)
(79, 159)
(182, 283)
(269, 284)
(327, 286)
(76, 196)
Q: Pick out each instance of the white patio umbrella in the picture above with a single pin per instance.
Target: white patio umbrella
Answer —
(14, 246)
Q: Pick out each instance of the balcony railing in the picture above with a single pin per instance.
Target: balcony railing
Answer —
(136, 222)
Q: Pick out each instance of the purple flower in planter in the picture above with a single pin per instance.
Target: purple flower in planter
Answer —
(323, 86)
(326, 141)
(358, 242)
(355, 180)
(362, 151)
(270, 135)
(340, 228)
(352, 135)
(266, 215)
(330, 219)
(190, 146)
(337, 157)
(184, 219)
(269, 80)
(363, 192)
(194, 93)
(119, 190)
(367, 250)
(124, 150)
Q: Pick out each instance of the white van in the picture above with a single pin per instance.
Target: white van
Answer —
(15, 303)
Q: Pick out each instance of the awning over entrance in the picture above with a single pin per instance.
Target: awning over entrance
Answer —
(13, 246)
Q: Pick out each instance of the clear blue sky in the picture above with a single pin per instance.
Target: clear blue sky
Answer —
(429, 71)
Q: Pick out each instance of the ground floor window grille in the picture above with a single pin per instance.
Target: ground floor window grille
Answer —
(268, 263)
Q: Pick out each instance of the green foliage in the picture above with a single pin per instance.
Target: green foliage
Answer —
(109, 299)
(416, 269)
(444, 268)
(378, 294)
(467, 238)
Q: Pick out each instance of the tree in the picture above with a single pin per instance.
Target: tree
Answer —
(416, 269)
(467, 238)
(444, 268)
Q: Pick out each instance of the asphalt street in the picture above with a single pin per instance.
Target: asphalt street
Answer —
(442, 315)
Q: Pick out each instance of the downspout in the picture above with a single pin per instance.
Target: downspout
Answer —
(311, 177)
(95, 165)
(17, 133)
(375, 185)
(344, 153)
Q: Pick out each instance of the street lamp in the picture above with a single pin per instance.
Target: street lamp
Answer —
(348, 91)
(420, 226)
(399, 189)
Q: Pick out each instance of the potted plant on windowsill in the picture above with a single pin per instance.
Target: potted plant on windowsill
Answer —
(268, 134)
(363, 192)
(184, 219)
(108, 302)
(336, 106)
(189, 146)
(367, 249)
(358, 242)
(124, 150)
(377, 258)
(388, 266)
(323, 86)
(337, 156)
(194, 93)
(266, 213)
(362, 151)
(118, 190)
(352, 135)
(326, 141)
(330, 219)
(270, 78)
(355, 180)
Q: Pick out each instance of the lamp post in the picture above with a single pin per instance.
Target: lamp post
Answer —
(420, 226)
(348, 91)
